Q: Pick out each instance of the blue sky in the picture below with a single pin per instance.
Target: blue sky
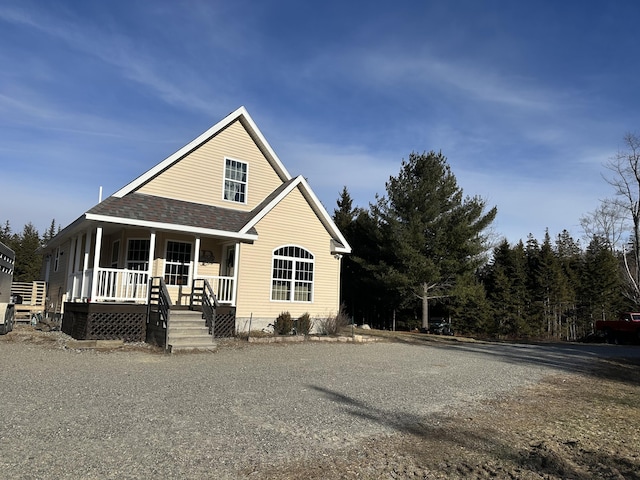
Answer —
(526, 99)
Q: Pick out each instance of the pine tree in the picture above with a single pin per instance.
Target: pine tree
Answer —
(50, 232)
(505, 281)
(5, 234)
(601, 285)
(344, 215)
(433, 235)
(28, 262)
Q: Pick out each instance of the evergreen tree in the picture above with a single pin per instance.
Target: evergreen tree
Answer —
(468, 307)
(368, 296)
(505, 280)
(601, 286)
(433, 235)
(50, 233)
(5, 234)
(344, 215)
(570, 258)
(28, 262)
(521, 298)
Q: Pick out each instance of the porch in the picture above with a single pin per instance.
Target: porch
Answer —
(155, 319)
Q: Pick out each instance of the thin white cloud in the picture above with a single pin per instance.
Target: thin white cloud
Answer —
(177, 84)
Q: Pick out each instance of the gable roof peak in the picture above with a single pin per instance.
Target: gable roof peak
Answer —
(240, 114)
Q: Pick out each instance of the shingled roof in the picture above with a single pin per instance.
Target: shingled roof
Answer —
(150, 208)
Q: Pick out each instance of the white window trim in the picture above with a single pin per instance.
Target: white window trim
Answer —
(164, 266)
(312, 261)
(224, 181)
(56, 260)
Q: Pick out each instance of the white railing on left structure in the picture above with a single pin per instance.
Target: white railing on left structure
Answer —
(115, 285)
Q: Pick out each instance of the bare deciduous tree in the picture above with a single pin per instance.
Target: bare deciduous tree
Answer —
(608, 222)
(625, 179)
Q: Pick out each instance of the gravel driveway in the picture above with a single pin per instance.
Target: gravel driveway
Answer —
(230, 414)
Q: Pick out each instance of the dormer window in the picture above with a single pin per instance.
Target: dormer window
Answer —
(235, 181)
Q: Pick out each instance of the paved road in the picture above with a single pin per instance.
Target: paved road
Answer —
(69, 414)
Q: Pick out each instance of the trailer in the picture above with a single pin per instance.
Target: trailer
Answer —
(7, 307)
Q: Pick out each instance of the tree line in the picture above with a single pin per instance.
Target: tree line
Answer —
(425, 252)
(25, 244)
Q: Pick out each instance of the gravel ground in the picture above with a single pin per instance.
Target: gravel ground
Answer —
(240, 412)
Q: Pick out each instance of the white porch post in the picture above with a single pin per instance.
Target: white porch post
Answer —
(196, 259)
(85, 262)
(152, 253)
(96, 264)
(77, 294)
(236, 263)
(76, 266)
(70, 278)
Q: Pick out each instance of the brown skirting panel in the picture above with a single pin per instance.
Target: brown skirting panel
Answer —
(105, 321)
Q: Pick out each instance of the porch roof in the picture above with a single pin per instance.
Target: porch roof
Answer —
(146, 209)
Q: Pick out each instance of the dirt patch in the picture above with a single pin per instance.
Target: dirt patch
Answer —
(566, 427)
(31, 335)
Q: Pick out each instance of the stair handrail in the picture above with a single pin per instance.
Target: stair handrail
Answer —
(159, 295)
(209, 305)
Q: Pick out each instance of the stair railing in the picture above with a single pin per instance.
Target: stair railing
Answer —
(159, 298)
(207, 300)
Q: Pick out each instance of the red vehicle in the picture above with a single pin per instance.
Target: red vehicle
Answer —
(626, 328)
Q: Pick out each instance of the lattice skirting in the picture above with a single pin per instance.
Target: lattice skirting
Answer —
(224, 325)
(105, 321)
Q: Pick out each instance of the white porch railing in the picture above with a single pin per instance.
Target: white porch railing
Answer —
(116, 285)
(223, 287)
(121, 285)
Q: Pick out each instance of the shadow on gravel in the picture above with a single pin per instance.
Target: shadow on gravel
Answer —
(585, 359)
(582, 359)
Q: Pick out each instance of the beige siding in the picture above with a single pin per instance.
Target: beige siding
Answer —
(292, 222)
(57, 279)
(199, 176)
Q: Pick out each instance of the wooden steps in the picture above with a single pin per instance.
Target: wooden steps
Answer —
(188, 332)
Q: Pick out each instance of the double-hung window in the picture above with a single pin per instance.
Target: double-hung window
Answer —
(292, 275)
(235, 181)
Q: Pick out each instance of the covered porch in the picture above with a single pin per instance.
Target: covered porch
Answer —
(114, 263)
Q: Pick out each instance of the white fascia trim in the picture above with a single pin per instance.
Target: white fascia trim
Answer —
(316, 205)
(172, 227)
(256, 131)
(232, 117)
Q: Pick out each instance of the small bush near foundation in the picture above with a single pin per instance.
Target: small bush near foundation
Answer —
(304, 324)
(334, 324)
(283, 324)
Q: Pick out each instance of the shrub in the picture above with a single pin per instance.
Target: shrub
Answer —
(283, 324)
(334, 324)
(304, 324)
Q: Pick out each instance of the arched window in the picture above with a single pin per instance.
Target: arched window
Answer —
(292, 275)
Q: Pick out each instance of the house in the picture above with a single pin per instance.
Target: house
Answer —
(221, 215)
